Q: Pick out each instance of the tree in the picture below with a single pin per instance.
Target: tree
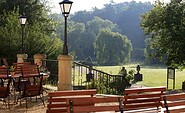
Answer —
(92, 30)
(38, 30)
(166, 26)
(126, 15)
(112, 48)
(35, 40)
(148, 53)
(77, 40)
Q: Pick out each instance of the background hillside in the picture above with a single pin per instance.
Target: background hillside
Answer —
(125, 15)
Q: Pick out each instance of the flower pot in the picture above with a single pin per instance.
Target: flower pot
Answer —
(12, 73)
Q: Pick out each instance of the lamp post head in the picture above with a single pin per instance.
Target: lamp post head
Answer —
(138, 68)
(65, 6)
(23, 20)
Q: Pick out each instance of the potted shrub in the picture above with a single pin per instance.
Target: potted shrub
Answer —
(12, 70)
(44, 70)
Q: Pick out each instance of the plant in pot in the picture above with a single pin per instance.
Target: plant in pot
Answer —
(12, 70)
(44, 70)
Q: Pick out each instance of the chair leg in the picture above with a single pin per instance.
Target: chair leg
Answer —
(8, 102)
(42, 98)
(26, 103)
(36, 98)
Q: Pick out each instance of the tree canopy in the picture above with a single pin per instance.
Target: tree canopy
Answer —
(165, 25)
(112, 48)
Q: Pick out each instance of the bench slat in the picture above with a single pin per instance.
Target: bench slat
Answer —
(180, 110)
(137, 101)
(140, 106)
(94, 104)
(150, 95)
(80, 109)
(142, 90)
(71, 93)
(56, 105)
(56, 111)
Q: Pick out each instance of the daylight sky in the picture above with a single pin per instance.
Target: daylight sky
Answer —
(89, 4)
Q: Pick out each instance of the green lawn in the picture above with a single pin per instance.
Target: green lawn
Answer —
(152, 75)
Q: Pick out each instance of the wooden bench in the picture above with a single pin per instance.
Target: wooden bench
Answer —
(57, 101)
(174, 103)
(95, 104)
(143, 99)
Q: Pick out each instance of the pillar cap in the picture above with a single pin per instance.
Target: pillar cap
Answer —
(64, 57)
(40, 56)
(22, 56)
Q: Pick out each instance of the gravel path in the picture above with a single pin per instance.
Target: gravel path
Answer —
(33, 106)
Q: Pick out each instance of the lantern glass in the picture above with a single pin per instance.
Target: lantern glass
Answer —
(65, 7)
(23, 20)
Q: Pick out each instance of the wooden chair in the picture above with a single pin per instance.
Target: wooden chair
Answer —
(5, 62)
(17, 83)
(32, 82)
(5, 84)
(4, 72)
(33, 90)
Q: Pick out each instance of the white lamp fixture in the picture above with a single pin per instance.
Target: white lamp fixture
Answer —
(23, 19)
(65, 6)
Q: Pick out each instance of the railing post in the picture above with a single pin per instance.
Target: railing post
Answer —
(64, 72)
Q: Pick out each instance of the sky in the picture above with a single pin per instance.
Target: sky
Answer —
(79, 5)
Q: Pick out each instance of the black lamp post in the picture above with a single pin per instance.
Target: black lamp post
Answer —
(23, 22)
(65, 6)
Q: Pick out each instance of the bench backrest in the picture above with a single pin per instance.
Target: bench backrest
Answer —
(174, 103)
(94, 104)
(143, 98)
(57, 101)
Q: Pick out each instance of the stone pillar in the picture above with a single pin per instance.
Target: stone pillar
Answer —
(64, 72)
(40, 59)
(21, 58)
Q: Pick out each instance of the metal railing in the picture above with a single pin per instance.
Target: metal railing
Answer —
(86, 77)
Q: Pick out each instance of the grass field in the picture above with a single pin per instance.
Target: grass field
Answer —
(152, 75)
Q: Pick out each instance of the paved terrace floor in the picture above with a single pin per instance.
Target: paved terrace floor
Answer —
(33, 107)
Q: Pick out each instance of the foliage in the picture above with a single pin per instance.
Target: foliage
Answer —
(148, 53)
(166, 26)
(38, 29)
(112, 48)
(35, 40)
(126, 15)
(129, 76)
(43, 69)
(12, 68)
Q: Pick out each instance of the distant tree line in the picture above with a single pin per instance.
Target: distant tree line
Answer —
(122, 18)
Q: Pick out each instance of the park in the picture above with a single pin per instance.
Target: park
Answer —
(125, 57)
